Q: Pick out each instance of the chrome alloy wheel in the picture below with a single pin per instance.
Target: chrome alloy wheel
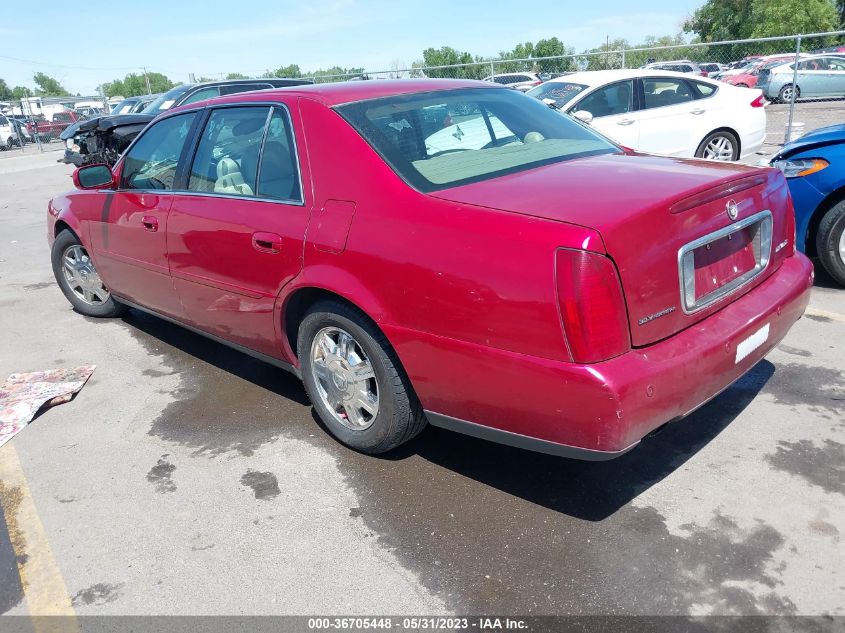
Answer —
(82, 277)
(344, 376)
(720, 148)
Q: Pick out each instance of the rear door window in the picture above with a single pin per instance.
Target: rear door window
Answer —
(226, 159)
(152, 160)
(236, 88)
(665, 91)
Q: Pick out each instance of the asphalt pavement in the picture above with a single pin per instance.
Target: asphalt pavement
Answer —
(186, 478)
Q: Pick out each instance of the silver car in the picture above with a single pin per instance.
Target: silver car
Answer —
(818, 76)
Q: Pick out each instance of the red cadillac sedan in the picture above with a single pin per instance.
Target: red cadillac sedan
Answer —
(447, 252)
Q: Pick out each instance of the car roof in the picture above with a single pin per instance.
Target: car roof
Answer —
(593, 78)
(332, 94)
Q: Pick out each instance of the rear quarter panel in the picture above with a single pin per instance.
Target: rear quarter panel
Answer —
(456, 271)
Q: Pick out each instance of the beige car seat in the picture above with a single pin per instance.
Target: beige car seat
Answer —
(230, 179)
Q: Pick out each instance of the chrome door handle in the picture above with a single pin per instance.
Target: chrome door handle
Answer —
(698, 111)
(150, 223)
(625, 122)
(266, 242)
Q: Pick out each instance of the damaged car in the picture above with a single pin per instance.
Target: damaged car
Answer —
(103, 139)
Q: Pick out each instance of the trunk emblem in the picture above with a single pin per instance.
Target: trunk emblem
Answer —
(732, 209)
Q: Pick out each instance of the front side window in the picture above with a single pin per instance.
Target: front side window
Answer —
(231, 89)
(442, 139)
(152, 160)
(664, 91)
(836, 64)
(616, 98)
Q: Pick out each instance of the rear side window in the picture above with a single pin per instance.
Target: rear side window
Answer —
(152, 160)
(201, 95)
(665, 91)
(246, 151)
(278, 176)
(226, 160)
(703, 89)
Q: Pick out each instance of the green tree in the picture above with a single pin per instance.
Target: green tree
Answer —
(553, 47)
(770, 18)
(236, 76)
(136, 84)
(446, 55)
(291, 71)
(5, 91)
(48, 86)
(19, 92)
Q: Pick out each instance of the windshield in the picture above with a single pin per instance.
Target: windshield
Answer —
(559, 92)
(166, 100)
(442, 139)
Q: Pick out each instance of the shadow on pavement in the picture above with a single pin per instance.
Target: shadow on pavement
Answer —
(588, 490)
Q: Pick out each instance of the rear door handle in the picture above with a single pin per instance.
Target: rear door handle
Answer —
(150, 223)
(266, 242)
(625, 122)
(698, 111)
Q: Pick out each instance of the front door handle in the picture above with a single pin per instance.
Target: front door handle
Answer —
(697, 111)
(625, 122)
(150, 223)
(266, 242)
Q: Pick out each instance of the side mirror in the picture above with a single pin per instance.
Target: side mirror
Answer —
(583, 115)
(97, 176)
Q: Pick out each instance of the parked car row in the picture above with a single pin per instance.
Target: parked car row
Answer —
(103, 139)
(663, 112)
(469, 257)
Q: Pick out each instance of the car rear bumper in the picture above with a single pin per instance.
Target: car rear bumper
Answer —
(602, 410)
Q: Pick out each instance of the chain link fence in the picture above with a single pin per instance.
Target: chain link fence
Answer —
(801, 76)
(36, 123)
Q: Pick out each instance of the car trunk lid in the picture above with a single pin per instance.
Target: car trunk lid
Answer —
(668, 224)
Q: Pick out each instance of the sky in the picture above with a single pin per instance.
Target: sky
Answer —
(248, 36)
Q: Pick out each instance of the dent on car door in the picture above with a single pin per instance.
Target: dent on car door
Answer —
(130, 236)
(667, 125)
(612, 109)
(235, 235)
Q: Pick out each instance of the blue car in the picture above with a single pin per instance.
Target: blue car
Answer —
(814, 166)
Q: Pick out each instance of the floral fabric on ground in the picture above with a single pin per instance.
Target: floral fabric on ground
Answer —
(22, 395)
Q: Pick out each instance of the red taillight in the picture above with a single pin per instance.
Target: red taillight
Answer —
(592, 308)
(759, 102)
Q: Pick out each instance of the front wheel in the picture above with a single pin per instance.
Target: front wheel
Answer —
(721, 145)
(830, 242)
(77, 277)
(355, 381)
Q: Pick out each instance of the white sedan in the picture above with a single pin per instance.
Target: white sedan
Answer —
(663, 112)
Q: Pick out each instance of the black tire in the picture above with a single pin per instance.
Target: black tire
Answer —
(783, 96)
(730, 136)
(105, 309)
(741, 85)
(828, 240)
(399, 417)
(10, 143)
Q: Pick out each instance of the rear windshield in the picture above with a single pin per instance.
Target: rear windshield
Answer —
(559, 92)
(447, 138)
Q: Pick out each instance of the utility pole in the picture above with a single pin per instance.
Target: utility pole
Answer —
(147, 79)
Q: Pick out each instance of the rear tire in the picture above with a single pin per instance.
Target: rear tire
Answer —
(720, 145)
(830, 242)
(77, 277)
(785, 94)
(741, 85)
(392, 414)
